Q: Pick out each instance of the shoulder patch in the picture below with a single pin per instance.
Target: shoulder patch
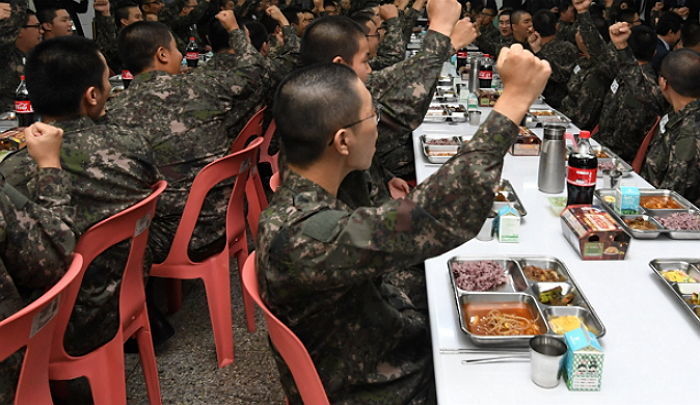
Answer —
(323, 225)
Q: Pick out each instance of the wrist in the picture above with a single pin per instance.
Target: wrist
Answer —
(442, 28)
(514, 104)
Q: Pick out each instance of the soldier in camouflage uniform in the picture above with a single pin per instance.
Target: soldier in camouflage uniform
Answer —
(12, 66)
(321, 264)
(566, 26)
(409, 18)
(561, 55)
(588, 83)
(182, 24)
(673, 161)
(633, 100)
(110, 169)
(392, 45)
(35, 239)
(188, 122)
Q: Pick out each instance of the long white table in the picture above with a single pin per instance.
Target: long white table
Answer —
(652, 347)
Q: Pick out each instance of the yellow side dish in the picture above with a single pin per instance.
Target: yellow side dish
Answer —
(678, 276)
(562, 324)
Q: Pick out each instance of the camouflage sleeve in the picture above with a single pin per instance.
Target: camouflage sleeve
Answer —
(39, 238)
(286, 58)
(683, 173)
(441, 213)
(392, 49)
(405, 89)
(602, 54)
(105, 36)
(9, 27)
(408, 21)
(172, 18)
(561, 59)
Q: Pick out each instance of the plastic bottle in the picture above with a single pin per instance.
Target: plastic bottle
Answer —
(192, 53)
(486, 72)
(127, 77)
(462, 57)
(582, 172)
(23, 107)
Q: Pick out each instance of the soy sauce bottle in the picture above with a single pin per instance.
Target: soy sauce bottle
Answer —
(582, 172)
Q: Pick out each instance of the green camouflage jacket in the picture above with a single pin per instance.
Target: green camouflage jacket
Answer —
(12, 66)
(322, 268)
(392, 49)
(585, 92)
(562, 57)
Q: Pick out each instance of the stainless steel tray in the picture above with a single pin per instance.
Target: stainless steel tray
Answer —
(611, 158)
(534, 120)
(512, 197)
(682, 291)
(443, 112)
(439, 154)
(652, 214)
(519, 288)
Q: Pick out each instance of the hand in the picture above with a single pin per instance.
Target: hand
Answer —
(609, 3)
(524, 76)
(398, 188)
(619, 34)
(5, 10)
(401, 4)
(535, 42)
(102, 7)
(658, 6)
(463, 34)
(318, 6)
(388, 11)
(419, 5)
(228, 20)
(683, 12)
(44, 144)
(582, 6)
(276, 14)
(443, 15)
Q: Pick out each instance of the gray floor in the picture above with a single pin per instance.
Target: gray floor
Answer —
(187, 362)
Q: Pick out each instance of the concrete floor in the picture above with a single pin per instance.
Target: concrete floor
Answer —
(187, 362)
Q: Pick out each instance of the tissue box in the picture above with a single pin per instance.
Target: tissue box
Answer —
(594, 233)
(627, 200)
(507, 224)
(583, 366)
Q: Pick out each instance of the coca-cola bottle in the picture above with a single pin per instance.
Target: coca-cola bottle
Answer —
(582, 172)
(462, 56)
(23, 107)
(192, 53)
(486, 72)
(127, 77)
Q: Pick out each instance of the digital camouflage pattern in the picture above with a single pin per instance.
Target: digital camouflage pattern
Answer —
(488, 39)
(409, 18)
(392, 49)
(36, 242)
(105, 36)
(11, 66)
(110, 169)
(629, 111)
(325, 270)
(566, 31)
(673, 160)
(562, 57)
(585, 93)
(190, 120)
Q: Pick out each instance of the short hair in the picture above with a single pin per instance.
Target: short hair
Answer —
(29, 14)
(46, 15)
(362, 18)
(642, 41)
(545, 23)
(218, 36)
(669, 22)
(516, 15)
(328, 37)
(139, 42)
(690, 33)
(681, 69)
(269, 23)
(58, 72)
(291, 13)
(327, 3)
(506, 11)
(565, 4)
(626, 16)
(257, 33)
(311, 104)
(122, 11)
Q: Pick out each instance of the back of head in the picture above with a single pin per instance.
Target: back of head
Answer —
(269, 23)
(545, 23)
(363, 18)
(629, 16)
(139, 42)
(46, 15)
(690, 34)
(669, 22)
(58, 72)
(121, 11)
(311, 104)
(681, 69)
(257, 33)
(642, 41)
(328, 37)
(217, 36)
(292, 14)
(564, 5)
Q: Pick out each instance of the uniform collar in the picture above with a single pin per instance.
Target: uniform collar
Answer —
(676, 118)
(307, 193)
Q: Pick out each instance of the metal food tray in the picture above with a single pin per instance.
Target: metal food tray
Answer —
(532, 120)
(513, 199)
(446, 114)
(620, 163)
(519, 288)
(651, 214)
(683, 291)
(448, 149)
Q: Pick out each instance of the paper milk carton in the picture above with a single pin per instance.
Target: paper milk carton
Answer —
(507, 224)
(583, 365)
(627, 200)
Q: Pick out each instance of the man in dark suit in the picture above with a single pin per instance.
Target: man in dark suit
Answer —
(668, 33)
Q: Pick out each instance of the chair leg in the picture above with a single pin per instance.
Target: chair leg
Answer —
(217, 286)
(174, 294)
(248, 303)
(147, 355)
(108, 380)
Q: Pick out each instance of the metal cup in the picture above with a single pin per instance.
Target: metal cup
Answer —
(474, 117)
(486, 232)
(546, 358)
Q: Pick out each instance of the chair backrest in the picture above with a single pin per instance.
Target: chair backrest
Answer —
(253, 128)
(265, 156)
(33, 326)
(287, 343)
(238, 165)
(641, 155)
(131, 224)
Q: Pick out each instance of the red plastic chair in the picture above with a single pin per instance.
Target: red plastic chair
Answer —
(104, 366)
(287, 344)
(275, 181)
(214, 271)
(595, 130)
(641, 155)
(265, 157)
(33, 326)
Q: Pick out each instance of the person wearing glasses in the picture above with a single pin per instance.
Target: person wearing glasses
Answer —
(21, 32)
(324, 267)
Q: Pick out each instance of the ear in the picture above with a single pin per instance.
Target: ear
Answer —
(339, 59)
(663, 83)
(91, 96)
(46, 26)
(340, 142)
(123, 21)
(162, 55)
